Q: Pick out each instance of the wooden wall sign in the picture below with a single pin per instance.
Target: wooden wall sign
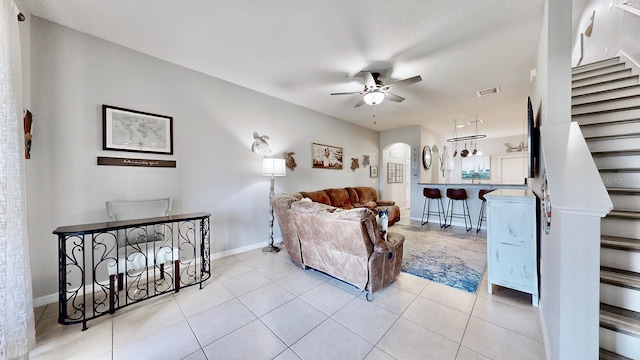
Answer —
(112, 161)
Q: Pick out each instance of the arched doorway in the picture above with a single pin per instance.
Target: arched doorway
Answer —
(396, 171)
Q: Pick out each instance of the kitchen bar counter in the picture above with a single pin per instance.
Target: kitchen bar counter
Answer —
(473, 200)
(474, 186)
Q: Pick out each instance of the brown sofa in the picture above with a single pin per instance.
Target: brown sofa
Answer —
(343, 243)
(354, 197)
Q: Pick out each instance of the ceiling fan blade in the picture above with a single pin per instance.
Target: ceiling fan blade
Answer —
(393, 97)
(369, 80)
(348, 93)
(360, 103)
(402, 83)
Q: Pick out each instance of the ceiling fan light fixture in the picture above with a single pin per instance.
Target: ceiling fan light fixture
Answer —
(374, 97)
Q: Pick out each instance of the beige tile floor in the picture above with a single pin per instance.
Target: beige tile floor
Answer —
(260, 306)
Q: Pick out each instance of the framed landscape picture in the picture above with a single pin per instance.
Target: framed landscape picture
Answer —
(326, 157)
(476, 167)
(130, 130)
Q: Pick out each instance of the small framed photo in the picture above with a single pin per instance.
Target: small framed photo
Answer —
(373, 172)
(326, 156)
(130, 130)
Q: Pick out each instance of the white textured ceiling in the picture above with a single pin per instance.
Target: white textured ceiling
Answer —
(302, 50)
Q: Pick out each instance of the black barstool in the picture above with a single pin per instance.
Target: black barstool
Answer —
(482, 215)
(458, 195)
(433, 194)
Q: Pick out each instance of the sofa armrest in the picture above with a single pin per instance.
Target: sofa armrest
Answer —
(385, 202)
(394, 240)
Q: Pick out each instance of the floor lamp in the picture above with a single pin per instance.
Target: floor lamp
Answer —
(272, 167)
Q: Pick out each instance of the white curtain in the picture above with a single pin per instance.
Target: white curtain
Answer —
(17, 334)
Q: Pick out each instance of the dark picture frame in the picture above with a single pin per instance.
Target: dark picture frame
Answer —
(373, 172)
(136, 131)
(326, 156)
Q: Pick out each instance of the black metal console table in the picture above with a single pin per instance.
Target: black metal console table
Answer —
(106, 266)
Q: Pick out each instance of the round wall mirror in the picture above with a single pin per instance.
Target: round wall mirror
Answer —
(426, 157)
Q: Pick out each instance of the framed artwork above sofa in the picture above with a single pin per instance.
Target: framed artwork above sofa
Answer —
(326, 156)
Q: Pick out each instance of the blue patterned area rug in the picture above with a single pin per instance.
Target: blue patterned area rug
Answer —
(454, 259)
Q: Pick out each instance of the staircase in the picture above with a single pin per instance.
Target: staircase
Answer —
(606, 104)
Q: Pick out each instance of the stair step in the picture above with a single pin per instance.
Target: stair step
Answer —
(635, 215)
(609, 355)
(619, 296)
(595, 65)
(610, 129)
(604, 109)
(625, 279)
(615, 159)
(598, 71)
(620, 320)
(619, 343)
(620, 170)
(613, 75)
(619, 143)
(615, 258)
(623, 191)
(620, 243)
(605, 85)
(629, 180)
(605, 94)
(608, 117)
(615, 153)
(612, 137)
(626, 102)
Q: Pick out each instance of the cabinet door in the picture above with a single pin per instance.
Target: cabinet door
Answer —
(510, 222)
(513, 266)
(511, 244)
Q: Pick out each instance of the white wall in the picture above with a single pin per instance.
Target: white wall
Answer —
(397, 153)
(73, 74)
(613, 31)
(569, 253)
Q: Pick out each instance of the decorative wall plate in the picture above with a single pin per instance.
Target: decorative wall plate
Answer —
(546, 203)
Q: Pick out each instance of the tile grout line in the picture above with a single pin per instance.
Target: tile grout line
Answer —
(466, 327)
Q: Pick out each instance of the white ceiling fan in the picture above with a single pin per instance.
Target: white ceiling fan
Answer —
(375, 91)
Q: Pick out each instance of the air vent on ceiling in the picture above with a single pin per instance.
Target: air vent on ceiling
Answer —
(489, 91)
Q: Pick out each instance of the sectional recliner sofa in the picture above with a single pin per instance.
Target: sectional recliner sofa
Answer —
(343, 243)
(354, 197)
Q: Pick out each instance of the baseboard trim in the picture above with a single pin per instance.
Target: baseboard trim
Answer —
(53, 298)
(545, 334)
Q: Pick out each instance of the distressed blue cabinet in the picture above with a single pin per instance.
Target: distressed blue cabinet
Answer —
(511, 241)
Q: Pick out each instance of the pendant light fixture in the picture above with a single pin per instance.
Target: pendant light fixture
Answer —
(477, 136)
(475, 145)
(455, 136)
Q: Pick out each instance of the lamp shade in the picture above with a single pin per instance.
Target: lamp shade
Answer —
(374, 97)
(274, 167)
